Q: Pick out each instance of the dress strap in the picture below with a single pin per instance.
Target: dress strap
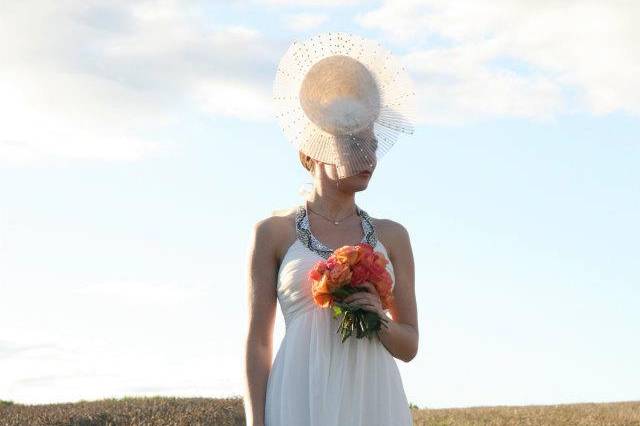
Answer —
(370, 234)
(304, 234)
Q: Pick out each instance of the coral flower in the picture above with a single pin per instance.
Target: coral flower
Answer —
(359, 274)
(339, 274)
(365, 252)
(347, 268)
(346, 254)
(321, 292)
(318, 270)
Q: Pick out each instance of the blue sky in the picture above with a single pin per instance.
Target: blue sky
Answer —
(138, 148)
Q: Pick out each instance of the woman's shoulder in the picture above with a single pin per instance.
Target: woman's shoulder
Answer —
(392, 233)
(286, 212)
(388, 226)
(277, 218)
(279, 228)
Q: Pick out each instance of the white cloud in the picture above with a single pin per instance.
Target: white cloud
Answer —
(65, 115)
(585, 48)
(455, 85)
(298, 3)
(95, 80)
(305, 21)
(234, 99)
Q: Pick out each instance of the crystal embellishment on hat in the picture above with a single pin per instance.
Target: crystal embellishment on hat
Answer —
(343, 99)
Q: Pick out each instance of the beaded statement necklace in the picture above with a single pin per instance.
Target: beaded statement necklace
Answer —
(304, 234)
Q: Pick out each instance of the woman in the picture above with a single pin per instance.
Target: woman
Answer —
(316, 379)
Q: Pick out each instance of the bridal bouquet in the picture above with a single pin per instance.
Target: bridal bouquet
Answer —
(344, 273)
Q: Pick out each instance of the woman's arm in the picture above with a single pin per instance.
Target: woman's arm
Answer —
(262, 303)
(401, 338)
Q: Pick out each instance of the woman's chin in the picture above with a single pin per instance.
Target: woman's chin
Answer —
(359, 184)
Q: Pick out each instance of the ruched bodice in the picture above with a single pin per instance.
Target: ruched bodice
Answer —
(316, 379)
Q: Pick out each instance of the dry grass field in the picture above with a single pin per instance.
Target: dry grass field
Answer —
(155, 411)
(613, 413)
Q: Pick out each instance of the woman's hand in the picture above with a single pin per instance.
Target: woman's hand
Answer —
(368, 300)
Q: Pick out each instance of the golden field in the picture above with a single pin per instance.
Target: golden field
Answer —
(155, 411)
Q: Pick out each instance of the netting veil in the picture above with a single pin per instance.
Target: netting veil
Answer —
(343, 99)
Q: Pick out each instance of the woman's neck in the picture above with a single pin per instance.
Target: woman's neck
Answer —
(334, 205)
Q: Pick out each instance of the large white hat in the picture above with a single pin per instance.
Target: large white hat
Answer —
(343, 99)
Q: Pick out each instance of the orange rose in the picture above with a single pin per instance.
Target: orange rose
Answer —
(322, 299)
(321, 285)
(359, 274)
(387, 301)
(365, 254)
(339, 274)
(378, 264)
(386, 282)
(346, 254)
(321, 291)
(318, 270)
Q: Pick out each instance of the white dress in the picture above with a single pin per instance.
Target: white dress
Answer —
(315, 379)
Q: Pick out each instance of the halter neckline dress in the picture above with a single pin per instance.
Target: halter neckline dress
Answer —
(315, 379)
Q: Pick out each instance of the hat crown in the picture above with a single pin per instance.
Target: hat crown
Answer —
(340, 95)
